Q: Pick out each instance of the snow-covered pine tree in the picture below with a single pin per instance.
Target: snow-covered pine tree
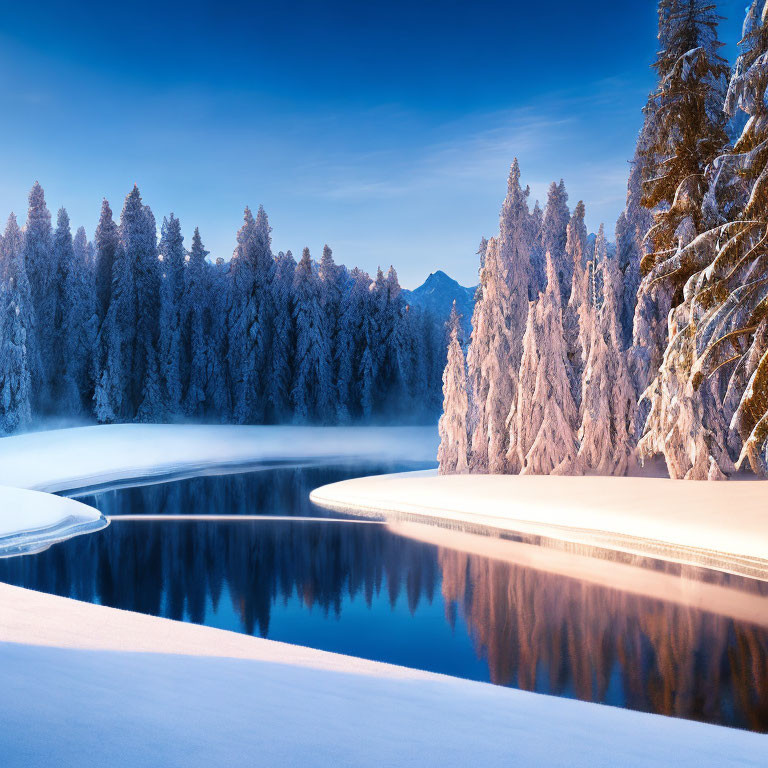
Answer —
(139, 236)
(283, 338)
(477, 381)
(497, 367)
(79, 322)
(452, 453)
(63, 393)
(575, 316)
(506, 279)
(333, 283)
(41, 271)
(107, 241)
(16, 325)
(685, 131)
(355, 374)
(128, 336)
(606, 434)
(538, 254)
(250, 318)
(392, 367)
(717, 334)
(173, 364)
(555, 236)
(546, 413)
(311, 395)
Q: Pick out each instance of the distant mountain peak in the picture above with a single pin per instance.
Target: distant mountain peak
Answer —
(437, 294)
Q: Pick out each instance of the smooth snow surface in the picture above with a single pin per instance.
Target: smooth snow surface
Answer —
(205, 697)
(717, 525)
(31, 521)
(75, 458)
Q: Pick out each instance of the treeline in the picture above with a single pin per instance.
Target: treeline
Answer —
(129, 328)
(665, 349)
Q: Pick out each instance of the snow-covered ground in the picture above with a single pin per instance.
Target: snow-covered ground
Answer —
(88, 685)
(64, 459)
(31, 521)
(718, 525)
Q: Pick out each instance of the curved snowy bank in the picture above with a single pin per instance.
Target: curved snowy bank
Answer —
(201, 696)
(85, 457)
(66, 459)
(31, 521)
(723, 526)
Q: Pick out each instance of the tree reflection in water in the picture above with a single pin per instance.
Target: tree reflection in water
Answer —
(535, 630)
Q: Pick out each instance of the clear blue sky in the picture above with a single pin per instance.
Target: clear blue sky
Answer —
(383, 128)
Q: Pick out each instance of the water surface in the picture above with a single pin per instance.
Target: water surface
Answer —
(438, 603)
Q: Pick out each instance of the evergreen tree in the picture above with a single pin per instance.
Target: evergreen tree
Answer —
(538, 253)
(685, 130)
(250, 316)
(575, 320)
(79, 322)
(283, 337)
(107, 242)
(606, 433)
(311, 393)
(711, 367)
(16, 325)
(554, 236)
(41, 270)
(333, 281)
(506, 278)
(65, 394)
(546, 413)
(173, 364)
(195, 338)
(452, 454)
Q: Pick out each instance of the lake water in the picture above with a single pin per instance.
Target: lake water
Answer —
(420, 596)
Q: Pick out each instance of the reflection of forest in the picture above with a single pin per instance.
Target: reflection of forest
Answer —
(543, 632)
(538, 631)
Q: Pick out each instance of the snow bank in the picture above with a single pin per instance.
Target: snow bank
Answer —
(206, 697)
(31, 521)
(716, 525)
(86, 456)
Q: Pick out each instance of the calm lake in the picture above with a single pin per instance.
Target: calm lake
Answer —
(425, 597)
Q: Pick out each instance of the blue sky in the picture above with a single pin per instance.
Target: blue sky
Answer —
(384, 129)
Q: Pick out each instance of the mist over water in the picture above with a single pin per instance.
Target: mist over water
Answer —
(368, 591)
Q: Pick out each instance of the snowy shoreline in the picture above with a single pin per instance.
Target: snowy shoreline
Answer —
(84, 458)
(30, 521)
(202, 696)
(722, 526)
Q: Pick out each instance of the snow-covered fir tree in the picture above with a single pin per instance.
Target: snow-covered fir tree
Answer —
(555, 236)
(544, 437)
(173, 364)
(713, 370)
(333, 280)
(250, 319)
(606, 434)
(505, 283)
(576, 324)
(684, 132)
(312, 387)
(16, 327)
(42, 271)
(453, 450)
(107, 241)
(79, 324)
